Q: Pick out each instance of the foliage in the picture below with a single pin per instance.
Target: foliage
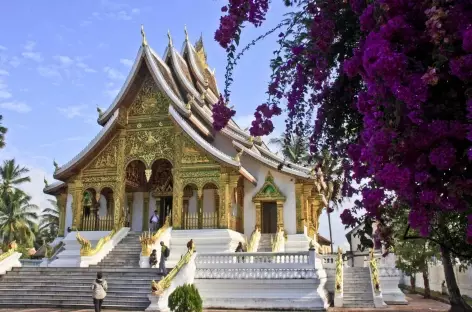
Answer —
(3, 131)
(185, 298)
(17, 218)
(49, 222)
(294, 148)
(12, 175)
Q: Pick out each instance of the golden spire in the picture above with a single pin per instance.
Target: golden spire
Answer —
(186, 33)
(238, 156)
(170, 38)
(143, 34)
(99, 111)
(46, 182)
(56, 166)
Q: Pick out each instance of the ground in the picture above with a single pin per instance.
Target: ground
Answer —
(416, 304)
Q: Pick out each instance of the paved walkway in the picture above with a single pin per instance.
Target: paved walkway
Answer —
(416, 304)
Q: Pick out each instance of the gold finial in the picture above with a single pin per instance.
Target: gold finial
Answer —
(186, 33)
(238, 156)
(251, 139)
(170, 38)
(55, 165)
(46, 182)
(99, 111)
(144, 41)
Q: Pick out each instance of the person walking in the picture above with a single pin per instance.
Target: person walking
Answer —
(99, 288)
(154, 221)
(153, 259)
(165, 252)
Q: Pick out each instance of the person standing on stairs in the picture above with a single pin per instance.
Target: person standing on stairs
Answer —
(153, 259)
(99, 288)
(154, 221)
(165, 252)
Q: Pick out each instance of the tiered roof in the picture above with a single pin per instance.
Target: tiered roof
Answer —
(190, 85)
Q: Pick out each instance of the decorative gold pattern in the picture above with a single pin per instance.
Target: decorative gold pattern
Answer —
(146, 240)
(107, 158)
(149, 145)
(269, 192)
(11, 251)
(86, 247)
(339, 271)
(149, 100)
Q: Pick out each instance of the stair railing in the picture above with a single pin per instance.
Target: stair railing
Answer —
(86, 249)
(148, 240)
(159, 287)
(11, 250)
(278, 243)
(374, 272)
(339, 280)
(253, 244)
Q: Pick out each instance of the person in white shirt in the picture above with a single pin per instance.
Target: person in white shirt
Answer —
(154, 221)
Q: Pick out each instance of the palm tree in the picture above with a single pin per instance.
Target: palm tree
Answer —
(333, 173)
(17, 217)
(49, 221)
(11, 175)
(3, 130)
(296, 151)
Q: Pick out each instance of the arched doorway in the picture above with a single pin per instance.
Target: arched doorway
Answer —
(161, 183)
(190, 209)
(136, 185)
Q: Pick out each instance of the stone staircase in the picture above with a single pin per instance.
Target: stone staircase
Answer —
(53, 287)
(124, 255)
(265, 244)
(357, 288)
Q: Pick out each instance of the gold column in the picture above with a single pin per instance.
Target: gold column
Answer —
(120, 190)
(233, 184)
(146, 211)
(76, 189)
(280, 214)
(200, 208)
(217, 204)
(306, 204)
(318, 207)
(299, 198)
(178, 188)
(130, 199)
(225, 199)
(258, 215)
(61, 201)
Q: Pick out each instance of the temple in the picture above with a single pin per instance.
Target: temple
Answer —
(157, 150)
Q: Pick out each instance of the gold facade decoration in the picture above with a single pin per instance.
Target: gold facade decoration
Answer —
(269, 192)
(148, 173)
(146, 240)
(149, 101)
(149, 145)
(107, 158)
(191, 153)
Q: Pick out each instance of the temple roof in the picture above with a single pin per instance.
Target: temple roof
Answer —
(186, 79)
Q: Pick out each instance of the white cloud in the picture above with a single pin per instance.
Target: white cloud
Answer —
(126, 62)
(135, 11)
(72, 111)
(85, 23)
(64, 60)
(29, 45)
(85, 67)
(49, 72)
(4, 94)
(35, 56)
(113, 74)
(18, 107)
(2, 48)
(15, 61)
(4, 72)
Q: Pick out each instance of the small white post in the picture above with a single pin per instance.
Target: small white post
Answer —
(312, 256)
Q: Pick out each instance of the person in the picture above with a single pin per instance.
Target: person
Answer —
(154, 221)
(189, 245)
(153, 259)
(240, 249)
(165, 252)
(99, 288)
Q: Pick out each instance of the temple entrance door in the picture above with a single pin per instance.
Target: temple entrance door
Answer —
(269, 217)
(165, 209)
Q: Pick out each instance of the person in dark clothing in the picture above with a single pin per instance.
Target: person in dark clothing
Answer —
(240, 249)
(153, 259)
(99, 288)
(165, 252)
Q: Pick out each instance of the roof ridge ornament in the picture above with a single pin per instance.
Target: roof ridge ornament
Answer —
(186, 33)
(46, 182)
(99, 111)
(170, 38)
(237, 157)
(143, 34)
(56, 166)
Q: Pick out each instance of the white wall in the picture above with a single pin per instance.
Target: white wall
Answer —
(224, 144)
(137, 221)
(192, 203)
(68, 217)
(284, 182)
(209, 201)
(436, 277)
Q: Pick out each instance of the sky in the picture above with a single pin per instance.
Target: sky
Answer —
(59, 60)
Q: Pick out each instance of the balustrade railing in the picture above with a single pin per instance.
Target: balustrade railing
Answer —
(93, 222)
(329, 261)
(30, 262)
(255, 259)
(209, 220)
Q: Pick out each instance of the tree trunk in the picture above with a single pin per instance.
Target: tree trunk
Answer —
(427, 290)
(457, 303)
(330, 233)
(413, 282)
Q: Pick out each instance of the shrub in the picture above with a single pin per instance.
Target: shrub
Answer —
(185, 298)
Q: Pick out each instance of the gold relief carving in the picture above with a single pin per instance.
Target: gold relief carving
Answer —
(149, 145)
(149, 101)
(150, 124)
(299, 209)
(107, 157)
(148, 173)
(191, 153)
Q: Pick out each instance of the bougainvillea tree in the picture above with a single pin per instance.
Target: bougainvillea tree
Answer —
(391, 83)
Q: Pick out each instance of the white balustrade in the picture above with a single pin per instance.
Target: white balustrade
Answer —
(329, 261)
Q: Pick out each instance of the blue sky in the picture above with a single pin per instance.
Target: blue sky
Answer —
(59, 60)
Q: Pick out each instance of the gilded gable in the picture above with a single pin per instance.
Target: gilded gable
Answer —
(149, 100)
(191, 154)
(150, 145)
(107, 158)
